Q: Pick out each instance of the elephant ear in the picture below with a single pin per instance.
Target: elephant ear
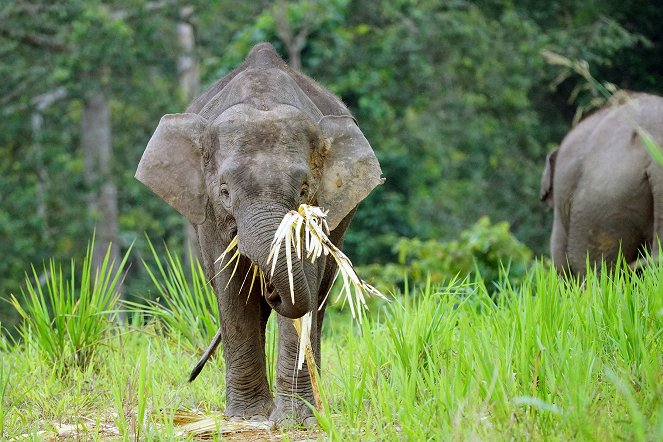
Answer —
(546, 192)
(351, 169)
(171, 165)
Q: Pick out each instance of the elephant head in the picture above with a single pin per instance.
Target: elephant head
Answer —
(248, 164)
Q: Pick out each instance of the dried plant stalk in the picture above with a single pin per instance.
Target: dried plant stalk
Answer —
(310, 222)
(303, 327)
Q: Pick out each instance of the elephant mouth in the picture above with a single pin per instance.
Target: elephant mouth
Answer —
(271, 295)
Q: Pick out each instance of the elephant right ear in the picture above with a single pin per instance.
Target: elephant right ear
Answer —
(351, 169)
(546, 192)
(171, 165)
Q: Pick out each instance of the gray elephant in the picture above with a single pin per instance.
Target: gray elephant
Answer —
(257, 144)
(605, 188)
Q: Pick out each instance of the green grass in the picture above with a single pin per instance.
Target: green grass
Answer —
(548, 360)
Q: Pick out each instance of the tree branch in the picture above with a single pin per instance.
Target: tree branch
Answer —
(38, 41)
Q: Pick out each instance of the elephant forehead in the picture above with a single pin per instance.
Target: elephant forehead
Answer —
(264, 173)
(259, 131)
(265, 163)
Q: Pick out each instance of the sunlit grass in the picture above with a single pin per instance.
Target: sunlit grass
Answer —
(549, 359)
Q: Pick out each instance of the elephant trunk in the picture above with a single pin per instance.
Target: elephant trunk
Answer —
(256, 226)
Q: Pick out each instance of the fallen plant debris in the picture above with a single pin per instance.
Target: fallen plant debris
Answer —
(186, 424)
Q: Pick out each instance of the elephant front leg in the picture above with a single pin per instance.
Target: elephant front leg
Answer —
(243, 320)
(293, 386)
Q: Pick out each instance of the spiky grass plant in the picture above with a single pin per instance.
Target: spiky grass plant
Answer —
(70, 317)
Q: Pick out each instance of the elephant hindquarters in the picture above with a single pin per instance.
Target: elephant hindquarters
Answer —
(598, 233)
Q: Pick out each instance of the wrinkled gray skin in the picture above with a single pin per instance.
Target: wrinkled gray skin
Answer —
(605, 188)
(258, 143)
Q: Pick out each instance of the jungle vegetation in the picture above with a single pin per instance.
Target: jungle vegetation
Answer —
(455, 97)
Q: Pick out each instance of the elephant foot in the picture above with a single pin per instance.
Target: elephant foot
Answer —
(254, 418)
(293, 413)
(257, 412)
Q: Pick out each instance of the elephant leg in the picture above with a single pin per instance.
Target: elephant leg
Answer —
(559, 245)
(293, 386)
(655, 177)
(243, 319)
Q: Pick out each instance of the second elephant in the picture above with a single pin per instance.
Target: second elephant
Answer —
(605, 187)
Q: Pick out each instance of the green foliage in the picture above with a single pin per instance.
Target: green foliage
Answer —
(454, 97)
(72, 316)
(4, 386)
(485, 250)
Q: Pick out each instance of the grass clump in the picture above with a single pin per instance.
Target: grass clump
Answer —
(549, 359)
(71, 315)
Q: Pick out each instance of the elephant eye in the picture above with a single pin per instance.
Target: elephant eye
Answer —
(304, 192)
(225, 194)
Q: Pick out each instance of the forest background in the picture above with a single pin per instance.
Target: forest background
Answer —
(455, 97)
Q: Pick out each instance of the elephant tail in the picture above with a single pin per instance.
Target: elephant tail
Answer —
(208, 353)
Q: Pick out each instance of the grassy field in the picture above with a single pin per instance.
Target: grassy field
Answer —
(547, 360)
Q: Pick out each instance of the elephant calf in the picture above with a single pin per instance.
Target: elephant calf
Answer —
(261, 141)
(605, 188)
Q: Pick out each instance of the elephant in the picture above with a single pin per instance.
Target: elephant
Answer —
(606, 189)
(258, 143)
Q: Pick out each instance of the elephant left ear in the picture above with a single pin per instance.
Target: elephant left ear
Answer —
(351, 169)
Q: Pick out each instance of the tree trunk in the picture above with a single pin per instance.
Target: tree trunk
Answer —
(98, 159)
(41, 103)
(189, 79)
(294, 40)
(36, 122)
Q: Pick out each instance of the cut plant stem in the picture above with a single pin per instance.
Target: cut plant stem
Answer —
(310, 222)
(303, 327)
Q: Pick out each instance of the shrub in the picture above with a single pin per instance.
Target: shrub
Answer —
(486, 250)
